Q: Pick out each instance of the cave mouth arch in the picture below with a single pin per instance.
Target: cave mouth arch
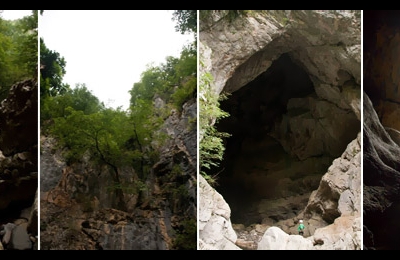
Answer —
(261, 177)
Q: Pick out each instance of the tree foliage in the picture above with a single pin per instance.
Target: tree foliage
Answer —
(116, 138)
(174, 81)
(18, 51)
(79, 98)
(211, 140)
(186, 21)
(102, 134)
(52, 71)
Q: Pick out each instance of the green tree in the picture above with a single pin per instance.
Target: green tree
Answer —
(83, 100)
(103, 135)
(186, 21)
(146, 137)
(18, 51)
(186, 78)
(52, 71)
(5, 58)
(78, 98)
(151, 82)
(27, 45)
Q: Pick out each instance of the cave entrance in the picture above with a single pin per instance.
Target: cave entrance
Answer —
(277, 152)
(16, 210)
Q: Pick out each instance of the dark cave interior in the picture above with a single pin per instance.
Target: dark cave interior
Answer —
(14, 210)
(374, 20)
(254, 110)
(380, 43)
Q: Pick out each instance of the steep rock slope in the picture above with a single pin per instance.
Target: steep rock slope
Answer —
(293, 79)
(19, 167)
(76, 205)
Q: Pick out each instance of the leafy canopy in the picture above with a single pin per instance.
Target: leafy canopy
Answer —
(18, 51)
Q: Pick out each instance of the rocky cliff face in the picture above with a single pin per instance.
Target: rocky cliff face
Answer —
(381, 143)
(19, 167)
(77, 208)
(293, 79)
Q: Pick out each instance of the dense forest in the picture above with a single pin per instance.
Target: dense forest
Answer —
(18, 51)
(117, 138)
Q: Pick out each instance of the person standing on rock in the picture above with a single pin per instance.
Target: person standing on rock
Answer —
(301, 227)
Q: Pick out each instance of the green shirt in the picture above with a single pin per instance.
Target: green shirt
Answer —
(301, 227)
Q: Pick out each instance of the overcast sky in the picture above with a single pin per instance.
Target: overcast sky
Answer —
(108, 50)
(15, 14)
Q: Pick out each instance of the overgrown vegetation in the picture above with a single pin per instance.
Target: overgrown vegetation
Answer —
(18, 51)
(212, 147)
(82, 125)
(186, 22)
(186, 237)
(211, 144)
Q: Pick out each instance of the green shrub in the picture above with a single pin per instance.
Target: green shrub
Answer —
(211, 143)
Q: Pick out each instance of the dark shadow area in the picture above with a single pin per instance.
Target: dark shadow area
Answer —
(13, 211)
(380, 161)
(254, 110)
(374, 20)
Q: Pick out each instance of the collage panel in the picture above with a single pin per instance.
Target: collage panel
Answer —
(199, 129)
(280, 130)
(118, 130)
(381, 130)
(18, 130)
